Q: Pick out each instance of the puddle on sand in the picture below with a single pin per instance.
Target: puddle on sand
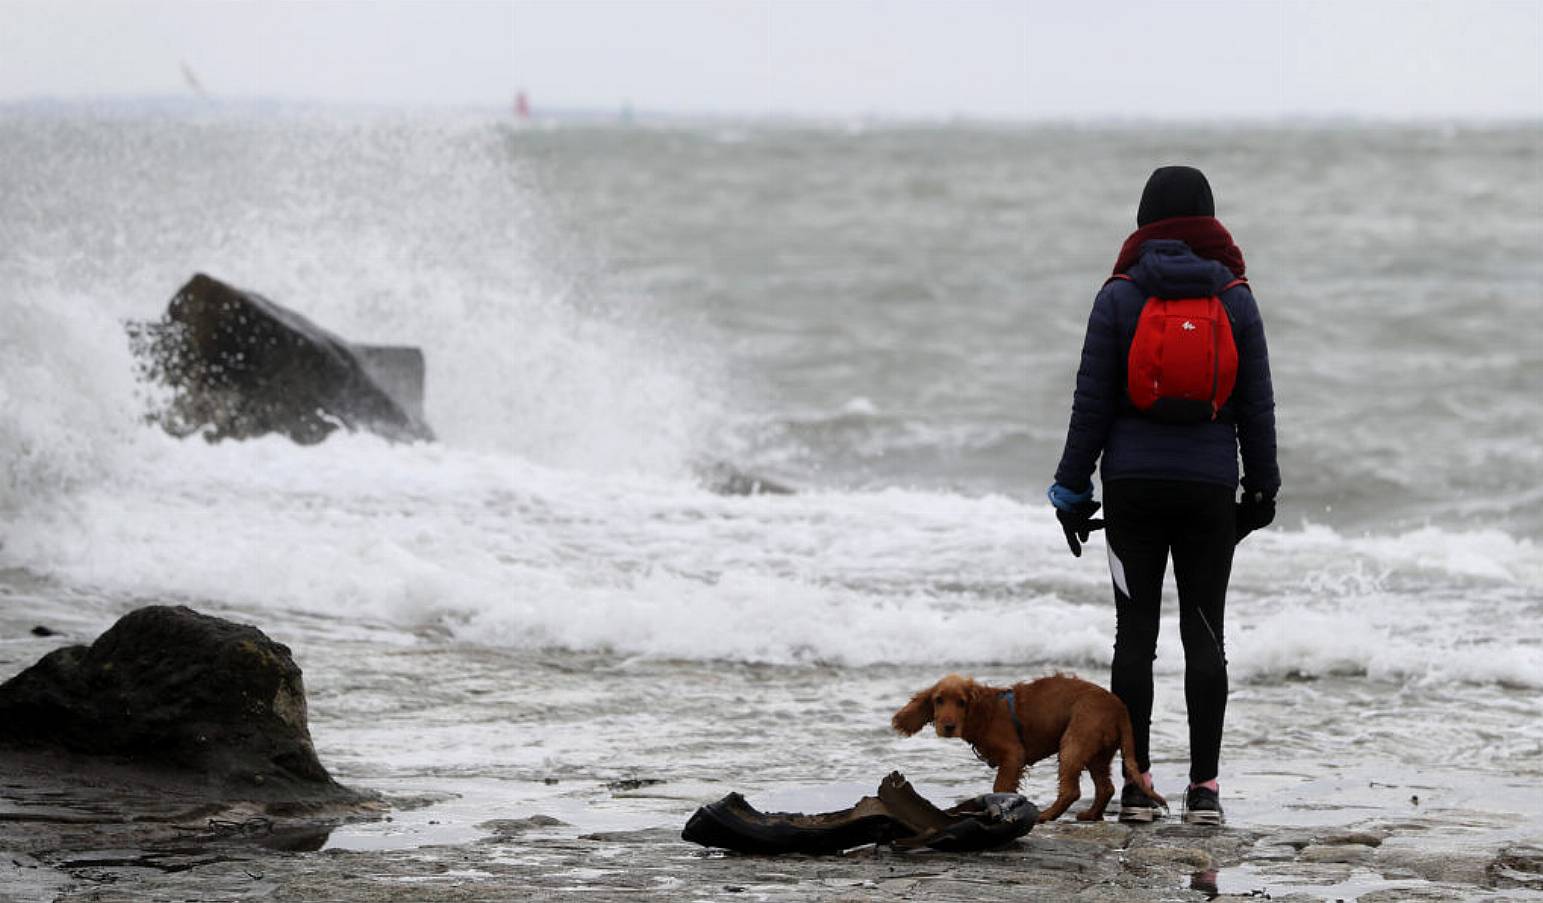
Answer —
(463, 807)
(1246, 880)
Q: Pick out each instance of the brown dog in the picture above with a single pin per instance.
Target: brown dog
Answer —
(1012, 729)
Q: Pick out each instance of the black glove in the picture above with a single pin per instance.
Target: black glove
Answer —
(1255, 511)
(1079, 523)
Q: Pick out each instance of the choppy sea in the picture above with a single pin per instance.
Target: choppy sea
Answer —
(547, 611)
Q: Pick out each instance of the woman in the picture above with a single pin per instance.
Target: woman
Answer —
(1169, 465)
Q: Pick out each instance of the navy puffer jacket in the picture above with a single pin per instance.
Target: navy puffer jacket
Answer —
(1105, 423)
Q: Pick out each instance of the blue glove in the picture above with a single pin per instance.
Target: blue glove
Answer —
(1067, 500)
(1075, 511)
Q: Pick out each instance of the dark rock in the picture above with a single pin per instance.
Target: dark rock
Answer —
(399, 370)
(169, 689)
(240, 366)
(628, 785)
(40, 630)
(725, 479)
(1520, 865)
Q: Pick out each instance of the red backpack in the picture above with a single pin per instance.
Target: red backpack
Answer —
(1183, 360)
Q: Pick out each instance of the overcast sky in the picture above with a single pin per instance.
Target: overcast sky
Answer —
(991, 58)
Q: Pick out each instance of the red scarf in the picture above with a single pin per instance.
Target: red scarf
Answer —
(1205, 235)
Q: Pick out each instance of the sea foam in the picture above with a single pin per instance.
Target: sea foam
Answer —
(502, 551)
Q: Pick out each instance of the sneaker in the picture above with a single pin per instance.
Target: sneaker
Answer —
(1135, 805)
(1202, 806)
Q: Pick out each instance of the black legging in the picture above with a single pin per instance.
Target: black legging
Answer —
(1145, 521)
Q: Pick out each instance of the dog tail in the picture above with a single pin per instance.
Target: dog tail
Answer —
(1128, 757)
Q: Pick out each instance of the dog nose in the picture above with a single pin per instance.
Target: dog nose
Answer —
(948, 730)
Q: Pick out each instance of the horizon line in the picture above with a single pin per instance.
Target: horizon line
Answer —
(627, 113)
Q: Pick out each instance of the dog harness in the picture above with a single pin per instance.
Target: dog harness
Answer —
(1012, 710)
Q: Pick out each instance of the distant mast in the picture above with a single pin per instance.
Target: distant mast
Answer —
(191, 79)
(521, 106)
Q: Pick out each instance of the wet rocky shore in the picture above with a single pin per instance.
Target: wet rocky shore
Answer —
(213, 792)
(62, 840)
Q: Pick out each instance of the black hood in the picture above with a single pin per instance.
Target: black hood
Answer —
(1175, 191)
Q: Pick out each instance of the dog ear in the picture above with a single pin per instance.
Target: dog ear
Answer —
(916, 714)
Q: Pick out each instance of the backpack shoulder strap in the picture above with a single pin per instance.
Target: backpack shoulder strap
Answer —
(1231, 320)
(1122, 277)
